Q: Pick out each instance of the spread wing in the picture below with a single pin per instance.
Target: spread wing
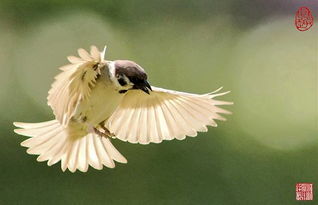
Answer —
(74, 83)
(164, 115)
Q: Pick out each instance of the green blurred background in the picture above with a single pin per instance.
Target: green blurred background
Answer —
(250, 47)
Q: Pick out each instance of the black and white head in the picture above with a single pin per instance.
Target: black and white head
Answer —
(127, 75)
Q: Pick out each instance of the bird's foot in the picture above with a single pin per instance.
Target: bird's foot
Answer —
(100, 133)
(104, 132)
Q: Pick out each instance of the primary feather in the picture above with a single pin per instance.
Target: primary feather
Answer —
(164, 115)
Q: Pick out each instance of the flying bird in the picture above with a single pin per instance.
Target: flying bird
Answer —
(96, 100)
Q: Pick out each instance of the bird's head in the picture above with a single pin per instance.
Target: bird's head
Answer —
(128, 75)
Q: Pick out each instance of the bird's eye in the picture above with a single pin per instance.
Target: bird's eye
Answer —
(122, 82)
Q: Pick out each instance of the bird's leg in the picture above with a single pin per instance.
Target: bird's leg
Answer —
(100, 133)
(91, 128)
(106, 131)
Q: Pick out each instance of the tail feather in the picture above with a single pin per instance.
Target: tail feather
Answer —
(54, 143)
(92, 157)
(56, 146)
(82, 159)
(34, 125)
(112, 151)
(40, 143)
(102, 153)
(36, 131)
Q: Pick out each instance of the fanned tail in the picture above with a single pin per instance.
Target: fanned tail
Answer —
(54, 143)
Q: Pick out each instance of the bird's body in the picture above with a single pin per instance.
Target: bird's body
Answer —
(103, 101)
(95, 100)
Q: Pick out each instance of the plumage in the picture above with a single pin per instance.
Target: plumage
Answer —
(52, 142)
(95, 100)
(74, 59)
(176, 114)
(95, 53)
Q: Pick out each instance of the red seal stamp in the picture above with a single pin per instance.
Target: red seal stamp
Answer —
(303, 19)
(304, 191)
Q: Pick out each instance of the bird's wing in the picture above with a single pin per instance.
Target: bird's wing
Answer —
(74, 83)
(164, 115)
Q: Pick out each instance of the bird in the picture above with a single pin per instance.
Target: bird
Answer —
(95, 101)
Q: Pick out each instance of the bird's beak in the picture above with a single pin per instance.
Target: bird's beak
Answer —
(145, 86)
(148, 85)
(145, 90)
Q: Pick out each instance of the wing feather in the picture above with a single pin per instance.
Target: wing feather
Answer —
(154, 127)
(170, 121)
(74, 59)
(143, 122)
(193, 123)
(199, 116)
(180, 123)
(74, 84)
(164, 115)
(161, 123)
(134, 125)
(95, 53)
(84, 54)
(187, 130)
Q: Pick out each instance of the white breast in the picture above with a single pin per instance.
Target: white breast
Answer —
(102, 102)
